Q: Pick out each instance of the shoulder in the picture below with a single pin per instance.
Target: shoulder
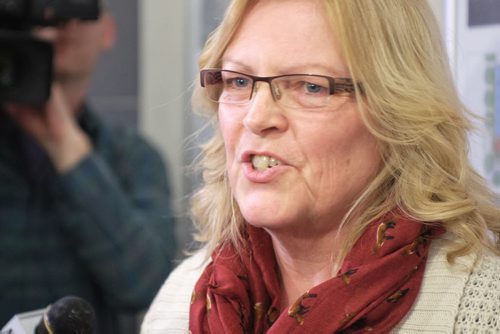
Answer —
(443, 303)
(169, 311)
(478, 308)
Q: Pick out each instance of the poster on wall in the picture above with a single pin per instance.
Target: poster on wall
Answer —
(476, 59)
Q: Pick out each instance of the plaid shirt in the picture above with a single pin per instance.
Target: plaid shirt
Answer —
(102, 231)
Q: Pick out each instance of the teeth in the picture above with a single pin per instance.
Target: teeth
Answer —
(262, 162)
(273, 162)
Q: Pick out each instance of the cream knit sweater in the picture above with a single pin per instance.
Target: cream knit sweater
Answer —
(451, 300)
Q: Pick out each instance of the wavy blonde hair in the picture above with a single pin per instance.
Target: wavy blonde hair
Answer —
(408, 103)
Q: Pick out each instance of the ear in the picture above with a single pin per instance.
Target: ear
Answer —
(108, 38)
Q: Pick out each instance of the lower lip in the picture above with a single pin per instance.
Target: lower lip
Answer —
(265, 176)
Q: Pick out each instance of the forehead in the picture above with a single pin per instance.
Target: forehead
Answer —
(281, 36)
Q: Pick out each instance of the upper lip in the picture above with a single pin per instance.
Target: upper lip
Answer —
(246, 156)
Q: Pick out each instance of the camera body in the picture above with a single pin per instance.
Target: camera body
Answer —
(25, 61)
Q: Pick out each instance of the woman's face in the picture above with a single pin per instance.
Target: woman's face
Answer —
(325, 158)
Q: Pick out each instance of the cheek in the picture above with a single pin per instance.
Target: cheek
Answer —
(358, 161)
(328, 163)
(343, 157)
(229, 127)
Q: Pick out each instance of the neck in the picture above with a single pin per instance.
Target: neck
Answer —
(74, 91)
(304, 262)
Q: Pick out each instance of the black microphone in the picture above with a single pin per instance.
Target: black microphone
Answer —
(68, 315)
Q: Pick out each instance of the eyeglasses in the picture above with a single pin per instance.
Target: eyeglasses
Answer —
(290, 90)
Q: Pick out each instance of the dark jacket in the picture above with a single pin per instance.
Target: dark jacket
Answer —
(103, 231)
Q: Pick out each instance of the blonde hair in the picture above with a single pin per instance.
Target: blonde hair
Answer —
(408, 103)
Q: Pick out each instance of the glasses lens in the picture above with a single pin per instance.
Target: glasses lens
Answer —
(303, 91)
(227, 87)
(212, 81)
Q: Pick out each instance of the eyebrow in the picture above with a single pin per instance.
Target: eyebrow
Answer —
(236, 63)
(312, 68)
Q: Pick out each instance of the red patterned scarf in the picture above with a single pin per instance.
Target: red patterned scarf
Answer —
(373, 291)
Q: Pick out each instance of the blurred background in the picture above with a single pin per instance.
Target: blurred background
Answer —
(146, 80)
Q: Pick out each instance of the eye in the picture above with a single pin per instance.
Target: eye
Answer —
(238, 82)
(314, 88)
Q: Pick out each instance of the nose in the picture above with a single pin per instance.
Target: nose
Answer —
(264, 115)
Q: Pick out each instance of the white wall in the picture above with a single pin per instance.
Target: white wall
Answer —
(438, 9)
(162, 84)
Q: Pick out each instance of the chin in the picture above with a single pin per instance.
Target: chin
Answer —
(268, 219)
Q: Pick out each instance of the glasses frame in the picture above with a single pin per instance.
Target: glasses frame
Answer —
(336, 85)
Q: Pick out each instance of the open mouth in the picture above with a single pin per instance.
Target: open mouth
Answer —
(264, 162)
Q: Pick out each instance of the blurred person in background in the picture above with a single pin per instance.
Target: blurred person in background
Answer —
(84, 206)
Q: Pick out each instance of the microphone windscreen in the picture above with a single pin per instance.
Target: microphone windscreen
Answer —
(68, 315)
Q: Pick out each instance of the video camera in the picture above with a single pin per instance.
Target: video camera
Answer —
(25, 61)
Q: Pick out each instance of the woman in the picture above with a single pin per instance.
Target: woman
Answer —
(337, 192)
